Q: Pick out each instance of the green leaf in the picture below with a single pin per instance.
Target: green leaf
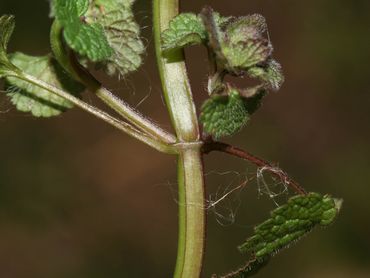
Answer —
(246, 27)
(188, 29)
(271, 74)
(122, 33)
(224, 115)
(238, 43)
(30, 98)
(243, 43)
(185, 29)
(7, 24)
(288, 224)
(86, 39)
(242, 55)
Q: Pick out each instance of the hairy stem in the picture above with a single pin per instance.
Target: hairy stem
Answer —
(123, 126)
(70, 63)
(237, 152)
(191, 214)
(133, 116)
(174, 77)
(181, 107)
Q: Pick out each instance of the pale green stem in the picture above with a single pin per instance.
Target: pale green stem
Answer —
(68, 60)
(174, 77)
(191, 239)
(181, 107)
(133, 116)
(123, 126)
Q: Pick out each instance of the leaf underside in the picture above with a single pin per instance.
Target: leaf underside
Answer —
(31, 98)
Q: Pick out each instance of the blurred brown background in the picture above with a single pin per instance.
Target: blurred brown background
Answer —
(80, 199)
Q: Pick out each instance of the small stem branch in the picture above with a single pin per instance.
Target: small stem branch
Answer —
(237, 152)
(133, 116)
(67, 58)
(121, 107)
(123, 126)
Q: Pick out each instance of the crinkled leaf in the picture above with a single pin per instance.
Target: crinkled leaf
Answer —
(7, 25)
(246, 27)
(185, 29)
(31, 98)
(122, 33)
(238, 43)
(188, 29)
(86, 39)
(271, 74)
(244, 54)
(224, 115)
(289, 223)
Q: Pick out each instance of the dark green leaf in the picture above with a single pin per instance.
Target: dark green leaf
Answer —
(87, 39)
(122, 33)
(288, 224)
(224, 115)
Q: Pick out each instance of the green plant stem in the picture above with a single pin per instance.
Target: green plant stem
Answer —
(123, 126)
(191, 214)
(181, 107)
(133, 116)
(68, 60)
(176, 86)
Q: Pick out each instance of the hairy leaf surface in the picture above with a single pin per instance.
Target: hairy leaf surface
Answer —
(224, 115)
(286, 225)
(122, 33)
(271, 74)
(86, 39)
(185, 29)
(188, 29)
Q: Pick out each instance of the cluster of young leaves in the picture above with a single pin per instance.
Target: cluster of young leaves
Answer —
(102, 32)
(239, 48)
(286, 225)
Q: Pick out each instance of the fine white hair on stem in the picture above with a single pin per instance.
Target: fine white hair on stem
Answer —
(226, 201)
(272, 189)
